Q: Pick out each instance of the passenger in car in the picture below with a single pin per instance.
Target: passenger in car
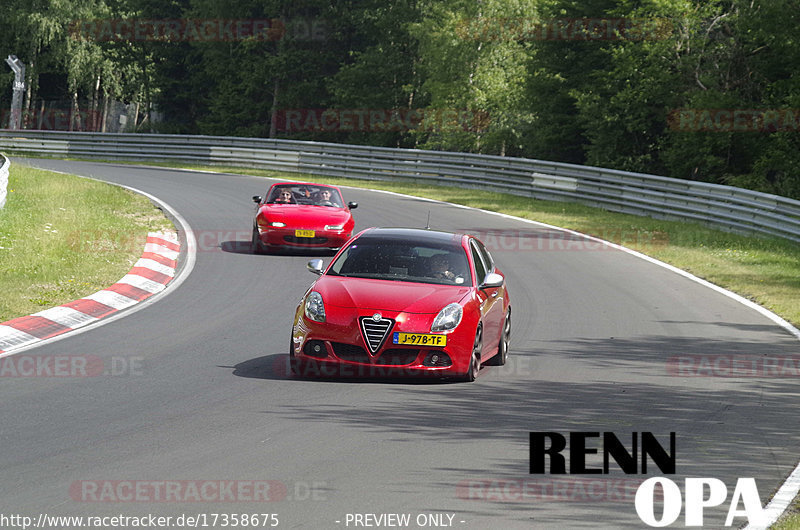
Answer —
(284, 196)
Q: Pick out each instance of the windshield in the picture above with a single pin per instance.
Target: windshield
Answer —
(403, 261)
(306, 194)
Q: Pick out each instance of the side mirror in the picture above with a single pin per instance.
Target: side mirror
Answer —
(352, 205)
(492, 280)
(315, 266)
(256, 199)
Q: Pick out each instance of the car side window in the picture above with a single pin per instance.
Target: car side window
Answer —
(487, 258)
(480, 268)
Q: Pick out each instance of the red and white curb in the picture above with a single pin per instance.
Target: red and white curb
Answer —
(150, 275)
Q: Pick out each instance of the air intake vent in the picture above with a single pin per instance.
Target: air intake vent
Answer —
(375, 331)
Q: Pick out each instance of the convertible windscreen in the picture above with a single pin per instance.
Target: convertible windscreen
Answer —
(403, 261)
(306, 194)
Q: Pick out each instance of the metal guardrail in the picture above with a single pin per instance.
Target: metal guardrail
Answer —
(724, 207)
(4, 165)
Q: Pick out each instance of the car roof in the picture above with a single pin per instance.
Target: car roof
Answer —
(412, 235)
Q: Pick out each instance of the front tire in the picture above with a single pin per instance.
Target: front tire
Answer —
(294, 369)
(255, 243)
(475, 357)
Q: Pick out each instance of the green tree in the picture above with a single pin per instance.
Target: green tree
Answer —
(471, 59)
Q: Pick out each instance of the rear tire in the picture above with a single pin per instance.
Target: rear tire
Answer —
(502, 348)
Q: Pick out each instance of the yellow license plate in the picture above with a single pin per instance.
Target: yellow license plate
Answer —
(304, 233)
(419, 339)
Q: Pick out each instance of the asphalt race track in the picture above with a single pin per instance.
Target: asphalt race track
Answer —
(200, 397)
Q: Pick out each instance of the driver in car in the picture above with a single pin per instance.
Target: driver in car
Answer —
(325, 198)
(440, 268)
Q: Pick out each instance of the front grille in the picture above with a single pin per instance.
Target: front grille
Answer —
(398, 357)
(305, 240)
(390, 357)
(349, 352)
(375, 332)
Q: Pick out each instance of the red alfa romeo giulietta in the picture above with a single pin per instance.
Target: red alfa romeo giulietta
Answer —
(301, 215)
(401, 301)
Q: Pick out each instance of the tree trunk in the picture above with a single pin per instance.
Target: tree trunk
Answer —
(273, 120)
(29, 91)
(93, 122)
(73, 115)
(136, 117)
(105, 113)
(40, 116)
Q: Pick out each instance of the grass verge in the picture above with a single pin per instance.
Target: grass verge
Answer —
(790, 520)
(63, 237)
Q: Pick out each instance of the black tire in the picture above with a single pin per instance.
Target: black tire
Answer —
(502, 348)
(475, 358)
(294, 369)
(255, 243)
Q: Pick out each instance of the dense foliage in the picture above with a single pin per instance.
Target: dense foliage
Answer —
(699, 89)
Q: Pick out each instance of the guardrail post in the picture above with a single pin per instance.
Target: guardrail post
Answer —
(4, 164)
(15, 120)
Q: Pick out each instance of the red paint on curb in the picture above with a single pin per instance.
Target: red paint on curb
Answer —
(90, 307)
(39, 327)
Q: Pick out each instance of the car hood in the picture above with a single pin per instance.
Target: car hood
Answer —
(387, 295)
(293, 213)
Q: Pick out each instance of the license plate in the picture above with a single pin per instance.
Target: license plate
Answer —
(304, 233)
(419, 339)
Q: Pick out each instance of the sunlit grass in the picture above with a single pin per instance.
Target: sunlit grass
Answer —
(790, 519)
(63, 237)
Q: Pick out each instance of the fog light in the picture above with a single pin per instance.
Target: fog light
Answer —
(437, 358)
(315, 348)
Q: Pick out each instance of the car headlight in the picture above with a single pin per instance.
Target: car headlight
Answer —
(277, 224)
(314, 308)
(334, 227)
(448, 318)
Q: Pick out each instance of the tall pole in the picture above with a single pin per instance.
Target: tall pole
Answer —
(19, 87)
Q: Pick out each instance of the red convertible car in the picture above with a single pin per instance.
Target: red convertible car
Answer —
(301, 215)
(397, 301)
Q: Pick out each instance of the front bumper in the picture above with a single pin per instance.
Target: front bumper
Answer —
(337, 347)
(286, 237)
